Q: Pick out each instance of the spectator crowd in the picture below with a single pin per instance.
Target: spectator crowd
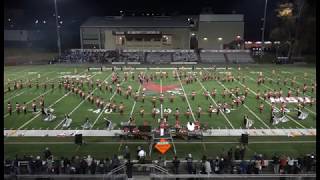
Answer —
(231, 162)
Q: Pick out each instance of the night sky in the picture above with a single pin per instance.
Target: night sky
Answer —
(71, 10)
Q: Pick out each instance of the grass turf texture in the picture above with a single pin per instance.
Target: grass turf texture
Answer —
(71, 103)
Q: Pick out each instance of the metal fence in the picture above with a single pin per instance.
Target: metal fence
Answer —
(67, 177)
(234, 176)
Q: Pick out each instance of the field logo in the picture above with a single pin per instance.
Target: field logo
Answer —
(163, 146)
(176, 91)
(32, 72)
(290, 100)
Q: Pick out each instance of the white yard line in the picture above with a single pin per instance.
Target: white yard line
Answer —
(39, 113)
(26, 90)
(184, 92)
(287, 87)
(82, 101)
(254, 114)
(227, 119)
(104, 108)
(270, 105)
(6, 115)
(16, 95)
(134, 104)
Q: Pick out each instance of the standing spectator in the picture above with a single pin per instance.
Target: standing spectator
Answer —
(47, 153)
(290, 165)
(141, 155)
(230, 154)
(296, 168)
(237, 153)
(189, 164)
(207, 165)
(89, 160)
(93, 167)
(115, 162)
(242, 151)
(83, 166)
(243, 167)
(275, 162)
(176, 163)
(257, 166)
(222, 165)
(283, 162)
(129, 169)
(126, 152)
(216, 165)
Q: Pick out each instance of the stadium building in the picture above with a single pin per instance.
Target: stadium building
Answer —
(206, 31)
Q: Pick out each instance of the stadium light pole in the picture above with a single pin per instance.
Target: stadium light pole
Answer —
(58, 29)
(263, 27)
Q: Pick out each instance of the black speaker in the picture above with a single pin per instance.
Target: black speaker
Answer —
(244, 138)
(78, 139)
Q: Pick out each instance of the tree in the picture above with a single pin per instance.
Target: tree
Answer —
(294, 27)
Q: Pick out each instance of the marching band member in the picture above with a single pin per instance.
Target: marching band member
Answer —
(261, 107)
(171, 98)
(161, 98)
(136, 96)
(258, 95)
(188, 113)
(177, 114)
(34, 106)
(193, 95)
(153, 100)
(141, 111)
(210, 109)
(199, 111)
(213, 93)
(24, 108)
(246, 91)
(153, 113)
(289, 93)
(9, 108)
(166, 113)
(283, 106)
(305, 87)
(206, 95)
(224, 93)
(121, 108)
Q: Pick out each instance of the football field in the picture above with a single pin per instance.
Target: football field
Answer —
(63, 102)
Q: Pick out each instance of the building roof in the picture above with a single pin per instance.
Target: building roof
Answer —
(138, 21)
(221, 17)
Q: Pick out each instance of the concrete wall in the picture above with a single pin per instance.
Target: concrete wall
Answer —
(213, 30)
(107, 40)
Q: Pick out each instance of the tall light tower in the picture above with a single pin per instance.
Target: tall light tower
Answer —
(58, 28)
(263, 27)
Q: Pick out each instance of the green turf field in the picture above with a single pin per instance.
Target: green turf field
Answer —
(68, 103)
(64, 103)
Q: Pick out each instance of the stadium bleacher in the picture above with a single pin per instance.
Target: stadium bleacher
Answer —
(212, 57)
(241, 57)
(156, 56)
